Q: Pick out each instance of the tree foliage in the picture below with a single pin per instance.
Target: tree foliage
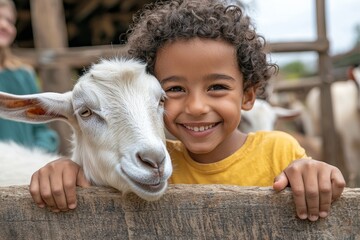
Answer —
(295, 69)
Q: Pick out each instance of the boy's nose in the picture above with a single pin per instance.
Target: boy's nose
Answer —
(196, 104)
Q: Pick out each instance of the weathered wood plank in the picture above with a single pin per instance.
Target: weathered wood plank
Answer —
(185, 212)
(76, 57)
(304, 46)
(54, 57)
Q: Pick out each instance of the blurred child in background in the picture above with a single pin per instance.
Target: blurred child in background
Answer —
(19, 78)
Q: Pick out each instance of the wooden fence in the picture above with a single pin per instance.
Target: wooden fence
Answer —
(184, 212)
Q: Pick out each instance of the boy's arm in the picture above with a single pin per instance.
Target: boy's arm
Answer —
(55, 184)
(315, 185)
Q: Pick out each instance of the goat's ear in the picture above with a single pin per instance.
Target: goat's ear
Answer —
(350, 74)
(284, 113)
(353, 73)
(36, 108)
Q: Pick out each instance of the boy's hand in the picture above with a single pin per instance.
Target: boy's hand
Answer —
(55, 184)
(314, 184)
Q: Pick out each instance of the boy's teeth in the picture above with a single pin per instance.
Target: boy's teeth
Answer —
(199, 129)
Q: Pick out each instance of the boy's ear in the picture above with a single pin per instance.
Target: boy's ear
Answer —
(248, 99)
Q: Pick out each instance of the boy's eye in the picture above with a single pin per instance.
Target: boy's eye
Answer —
(175, 89)
(218, 87)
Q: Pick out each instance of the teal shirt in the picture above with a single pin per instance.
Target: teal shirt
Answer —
(22, 81)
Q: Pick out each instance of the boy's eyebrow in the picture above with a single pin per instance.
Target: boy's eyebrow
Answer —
(210, 77)
(171, 78)
(216, 76)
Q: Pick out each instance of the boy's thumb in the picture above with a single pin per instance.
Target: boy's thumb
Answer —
(81, 180)
(280, 182)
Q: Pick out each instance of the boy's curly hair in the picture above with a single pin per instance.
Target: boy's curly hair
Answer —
(165, 22)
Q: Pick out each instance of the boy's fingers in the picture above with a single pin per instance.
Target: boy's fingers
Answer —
(325, 191)
(312, 193)
(81, 180)
(34, 189)
(281, 182)
(58, 193)
(69, 178)
(338, 183)
(297, 187)
(45, 189)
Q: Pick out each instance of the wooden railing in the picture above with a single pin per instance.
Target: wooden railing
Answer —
(184, 212)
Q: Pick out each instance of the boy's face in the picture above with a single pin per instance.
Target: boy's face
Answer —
(204, 89)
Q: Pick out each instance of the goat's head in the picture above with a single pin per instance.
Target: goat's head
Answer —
(116, 112)
(263, 116)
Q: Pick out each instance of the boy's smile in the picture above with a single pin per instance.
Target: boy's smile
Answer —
(204, 88)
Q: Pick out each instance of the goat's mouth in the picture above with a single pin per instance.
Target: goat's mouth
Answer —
(142, 188)
(150, 187)
(148, 192)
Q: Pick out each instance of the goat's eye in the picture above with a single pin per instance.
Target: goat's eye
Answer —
(86, 112)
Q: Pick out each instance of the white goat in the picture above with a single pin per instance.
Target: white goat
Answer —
(346, 109)
(263, 116)
(116, 113)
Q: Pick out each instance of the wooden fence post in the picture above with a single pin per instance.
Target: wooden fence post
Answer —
(49, 27)
(330, 140)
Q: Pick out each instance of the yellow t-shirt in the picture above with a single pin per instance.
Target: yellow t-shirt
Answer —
(262, 157)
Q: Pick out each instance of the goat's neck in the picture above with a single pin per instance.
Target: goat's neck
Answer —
(77, 151)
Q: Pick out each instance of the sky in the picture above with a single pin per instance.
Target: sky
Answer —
(289, 20)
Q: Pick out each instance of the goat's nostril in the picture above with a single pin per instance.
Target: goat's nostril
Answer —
(150, 163)
(147, 161)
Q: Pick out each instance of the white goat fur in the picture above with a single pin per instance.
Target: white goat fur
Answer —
(116, 113)
(263, 116)
(346, 109)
